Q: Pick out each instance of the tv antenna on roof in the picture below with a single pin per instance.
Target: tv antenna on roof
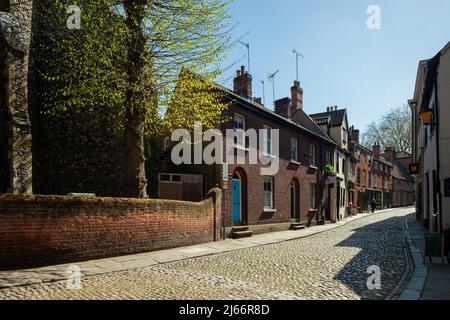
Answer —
(272, 78)
(297, 56)
(264, 91)
(247, 45)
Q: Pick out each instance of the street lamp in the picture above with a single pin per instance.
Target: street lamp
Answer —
(426, 114)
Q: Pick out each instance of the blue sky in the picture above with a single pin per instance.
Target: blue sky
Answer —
(346, 64)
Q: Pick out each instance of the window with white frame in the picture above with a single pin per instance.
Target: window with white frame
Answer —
(267, 141)
(294, 149)
(338, 164)
(239, 126)
(327, 157)
(312, 196)
(375, 181)
(344, 135)
(312, 155)
(268, 193)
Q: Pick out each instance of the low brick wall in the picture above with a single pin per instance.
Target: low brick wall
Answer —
(44, 230)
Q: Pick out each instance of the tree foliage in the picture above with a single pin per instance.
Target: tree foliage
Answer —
(393, 129)
(127, 57)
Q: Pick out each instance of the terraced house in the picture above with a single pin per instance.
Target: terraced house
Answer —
(430, 107)
(334, 122)
(257, 203)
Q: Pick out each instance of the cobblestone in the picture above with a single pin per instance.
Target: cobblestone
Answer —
(329, 265)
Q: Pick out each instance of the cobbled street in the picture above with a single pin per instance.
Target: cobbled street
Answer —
(329, 265)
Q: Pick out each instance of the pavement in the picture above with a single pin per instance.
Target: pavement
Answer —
(430, 280)
(322, 262)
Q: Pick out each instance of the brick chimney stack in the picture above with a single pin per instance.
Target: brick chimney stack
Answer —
(296, 97)
(389, 154)
(283, 107)
(355, 135)
(243, 84)
(376, 150)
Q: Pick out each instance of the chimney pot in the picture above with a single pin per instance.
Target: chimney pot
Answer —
(243, 84)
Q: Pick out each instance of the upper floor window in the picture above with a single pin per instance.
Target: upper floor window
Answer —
(312, 155)
(358, 176)
(375, 181)
(338, 164)
(239, 126)
(344, 135)
(267, 141)
(370, 179)
(294, 149)
(327, 157)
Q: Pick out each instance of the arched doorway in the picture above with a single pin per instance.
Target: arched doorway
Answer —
(238, 198)
(295, 200)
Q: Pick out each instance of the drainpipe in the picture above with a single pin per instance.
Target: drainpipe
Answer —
(438, 159)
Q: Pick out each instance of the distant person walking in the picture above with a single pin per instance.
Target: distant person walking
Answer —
(349, 209)
(373, 204)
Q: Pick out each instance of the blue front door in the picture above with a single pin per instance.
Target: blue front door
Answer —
(237, 212)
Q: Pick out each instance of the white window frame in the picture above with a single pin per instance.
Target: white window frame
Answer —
(270, 193)
(327, 157)
(267, 142)
(240, 132)
(312, 155)
(294, 149)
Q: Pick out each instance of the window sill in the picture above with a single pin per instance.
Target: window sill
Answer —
(269, 156)
(269, 210)
(314, 210)
(242, 148)
(295, 162)
(314, 167)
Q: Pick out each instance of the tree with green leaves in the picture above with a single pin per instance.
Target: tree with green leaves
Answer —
(127, 56)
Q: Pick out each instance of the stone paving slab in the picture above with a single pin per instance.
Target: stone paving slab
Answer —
(430, 281)
(102, 266)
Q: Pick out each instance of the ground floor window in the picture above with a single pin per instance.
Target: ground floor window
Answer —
(312, 196)
(268, 192)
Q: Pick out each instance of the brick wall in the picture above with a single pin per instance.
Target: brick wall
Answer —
(42, 230)
(4, 128)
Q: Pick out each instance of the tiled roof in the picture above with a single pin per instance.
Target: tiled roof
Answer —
(401, 173)
(302, 120)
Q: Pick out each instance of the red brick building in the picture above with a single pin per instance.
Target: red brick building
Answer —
(267, 203)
